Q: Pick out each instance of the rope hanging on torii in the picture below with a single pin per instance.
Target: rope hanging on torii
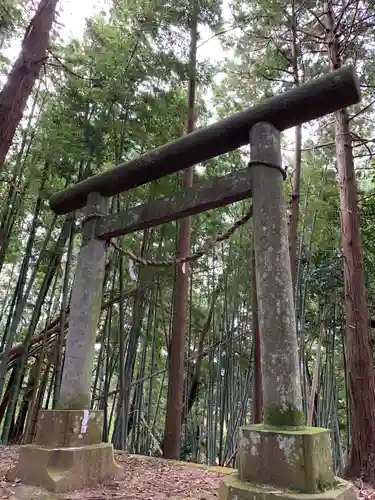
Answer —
(260, 126)
(189, 258)
(210, 245)
(333, 91)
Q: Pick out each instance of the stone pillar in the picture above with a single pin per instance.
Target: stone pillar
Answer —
(280, 459)
(282, 397)
(68, 453)
(84, 312)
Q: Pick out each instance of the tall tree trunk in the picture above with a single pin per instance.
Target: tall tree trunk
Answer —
(358, 339)
(8, 392)
(195, 380)
(176, 357)
(52, 269)
(37, 404)
(63, 314)
(294, 208)
(18, 428)
(123, 415)
(25, 71)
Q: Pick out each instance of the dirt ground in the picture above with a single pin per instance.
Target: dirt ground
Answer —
(145, 480)
(364, 491)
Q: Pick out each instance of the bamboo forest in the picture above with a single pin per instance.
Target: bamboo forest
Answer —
(178, 375)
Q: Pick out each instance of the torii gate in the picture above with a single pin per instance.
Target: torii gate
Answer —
(282, 452)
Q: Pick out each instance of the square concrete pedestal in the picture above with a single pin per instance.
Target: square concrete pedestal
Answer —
(275, 462)
(231, 488)
(68, 453)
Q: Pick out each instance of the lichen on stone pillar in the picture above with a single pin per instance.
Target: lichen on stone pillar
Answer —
(84, 312)
(279, 347)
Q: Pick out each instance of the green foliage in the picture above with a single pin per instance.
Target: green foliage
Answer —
(120, 91)
(10, 13)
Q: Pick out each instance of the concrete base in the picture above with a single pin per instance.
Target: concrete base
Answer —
(68, 453)
(299, 459)
(66, 428)
(231, 488)
(65, 469)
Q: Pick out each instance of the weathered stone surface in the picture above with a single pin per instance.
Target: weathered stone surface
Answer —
(300, 460)
(333, 91)
(282, 395)
(64, 428)
(204, 196)
(84, 427)
(231, 488)
(51, 428)
(84, 312)
(65, 469)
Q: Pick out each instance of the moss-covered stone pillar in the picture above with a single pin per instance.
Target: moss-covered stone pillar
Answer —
(68, 453)
(84, 312)
(279, 349)
(280, 459)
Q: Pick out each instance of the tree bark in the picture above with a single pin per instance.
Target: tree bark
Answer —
(294, 206)
(361, 384)
(195, 382)
(294, 203)
(176, 358)
(358, 337)
(25, 71)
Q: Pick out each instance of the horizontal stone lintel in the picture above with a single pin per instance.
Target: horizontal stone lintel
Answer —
(208, 195)
(324, 95)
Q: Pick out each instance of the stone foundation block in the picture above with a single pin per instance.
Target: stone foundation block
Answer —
(231, 488)
(65, 469)
(297, 459)
(64, 428)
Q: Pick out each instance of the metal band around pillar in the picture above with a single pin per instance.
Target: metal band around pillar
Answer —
(252, 163)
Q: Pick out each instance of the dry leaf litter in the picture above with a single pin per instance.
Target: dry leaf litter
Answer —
(145, 479)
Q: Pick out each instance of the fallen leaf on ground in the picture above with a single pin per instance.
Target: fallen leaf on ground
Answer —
(145, 479)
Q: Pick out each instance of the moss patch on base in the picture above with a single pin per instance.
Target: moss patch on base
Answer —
(280, 417)
(232, 488)
(298, 459)
(300, 430)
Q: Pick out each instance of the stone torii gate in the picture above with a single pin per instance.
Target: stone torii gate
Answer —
(276, 457)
